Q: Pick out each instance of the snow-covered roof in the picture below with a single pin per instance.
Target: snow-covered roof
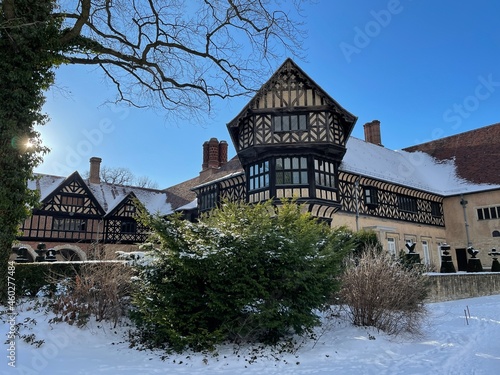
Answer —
(45, 184)
(108, 195)
(413, 169)
(190, 206)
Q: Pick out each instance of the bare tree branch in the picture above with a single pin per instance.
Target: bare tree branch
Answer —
(82, 19)
(180, 54)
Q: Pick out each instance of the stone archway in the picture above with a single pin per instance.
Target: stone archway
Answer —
(71, 253)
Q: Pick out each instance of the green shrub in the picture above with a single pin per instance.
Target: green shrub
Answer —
(365, 239)
(245, 273)
(33, 277)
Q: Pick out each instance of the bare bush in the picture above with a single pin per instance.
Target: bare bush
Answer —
(100, 290)
(380, 292)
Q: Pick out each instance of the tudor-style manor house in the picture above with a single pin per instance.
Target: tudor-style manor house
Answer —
(84, 219)
(293, 141)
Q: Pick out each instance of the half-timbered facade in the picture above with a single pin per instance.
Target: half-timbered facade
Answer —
(293, 141)
(290, 140)
(83, 219)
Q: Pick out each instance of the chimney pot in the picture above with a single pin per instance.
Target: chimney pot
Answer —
(222, 153)
(204, 166)
(214, 157)
(213, 153)
(95, 170)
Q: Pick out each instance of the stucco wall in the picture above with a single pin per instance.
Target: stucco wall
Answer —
(447, 287)
(480, 231)
(399, 231)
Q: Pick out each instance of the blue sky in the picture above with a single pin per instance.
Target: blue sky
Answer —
(426, 69)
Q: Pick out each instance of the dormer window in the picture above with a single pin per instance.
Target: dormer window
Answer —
(371, 197)
(290, 122)
(208, 198)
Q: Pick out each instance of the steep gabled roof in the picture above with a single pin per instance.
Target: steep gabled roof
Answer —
(106, 196)
(476, 153)
(287, 66)
(45, 184)
(74, 183)
(111, 196)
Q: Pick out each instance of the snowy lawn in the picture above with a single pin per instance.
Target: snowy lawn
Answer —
(451, 344)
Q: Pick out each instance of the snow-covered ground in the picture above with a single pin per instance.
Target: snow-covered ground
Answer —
(460, 337)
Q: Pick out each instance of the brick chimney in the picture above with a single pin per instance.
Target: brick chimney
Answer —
(222, 153)
(214, 156)
(213, 153)
(205, 156)
(95, 170)
(372, 132)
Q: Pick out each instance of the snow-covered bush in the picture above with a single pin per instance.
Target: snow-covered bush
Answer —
(382, 292)
(245, 273)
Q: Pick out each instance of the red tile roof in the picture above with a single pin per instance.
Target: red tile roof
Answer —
(476, 153)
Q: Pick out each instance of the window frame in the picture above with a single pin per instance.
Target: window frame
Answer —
(436, 209)
(284, 122)
(391, 246)
(296, 174)
(325, 173)
(372, 194)
(259, 175)
(488, 213)
(69, 224)
(407, 203)
(128, 224)
(426, 251)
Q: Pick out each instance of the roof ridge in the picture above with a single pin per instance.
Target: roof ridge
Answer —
(453, 136)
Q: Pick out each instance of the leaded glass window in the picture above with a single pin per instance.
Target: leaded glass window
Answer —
(291, 171)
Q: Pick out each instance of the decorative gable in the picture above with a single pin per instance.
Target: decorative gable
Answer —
(72, 196)
(291, 111)
(290, 88)
(121, 226)
(124, 209)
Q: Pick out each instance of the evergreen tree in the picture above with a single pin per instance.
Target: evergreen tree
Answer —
(26, 59)
(245, 273)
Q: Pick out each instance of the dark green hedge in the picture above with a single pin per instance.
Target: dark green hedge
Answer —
(31, 277)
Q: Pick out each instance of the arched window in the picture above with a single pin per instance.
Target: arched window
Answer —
(496, 233)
